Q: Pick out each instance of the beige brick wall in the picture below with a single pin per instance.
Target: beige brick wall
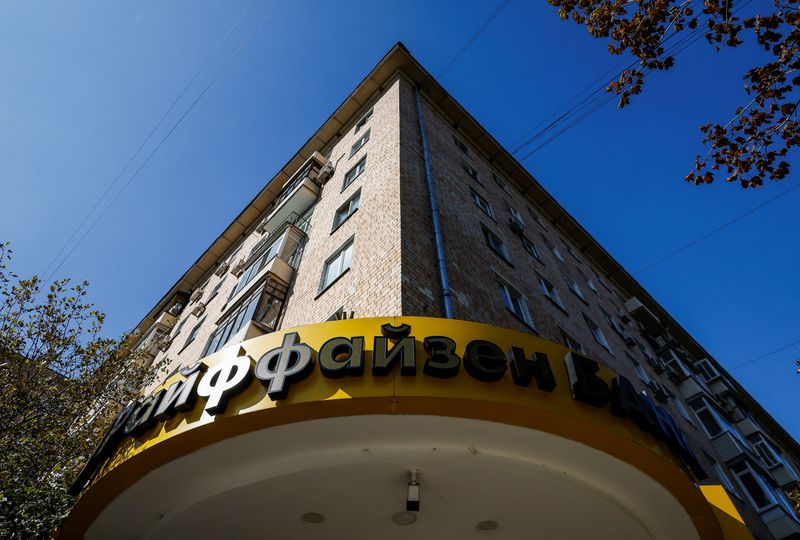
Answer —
(372, 285)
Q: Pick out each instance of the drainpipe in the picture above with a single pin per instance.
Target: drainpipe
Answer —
(437, 230)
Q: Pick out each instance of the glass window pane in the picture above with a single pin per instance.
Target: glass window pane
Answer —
(346, 258)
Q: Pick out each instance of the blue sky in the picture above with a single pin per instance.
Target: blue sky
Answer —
(84, 83)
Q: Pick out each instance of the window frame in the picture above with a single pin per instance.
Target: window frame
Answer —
(471, 171)
(530, 247)
(481, 203)
(348, 244)
(364, 119)
(355, 197)
(509, 293)
(502, 252)
(550, 292)
(597, 333)
(760, 482)
(553, 249)
(356, 172)
(360, 142)
(461, 145)
(566, 338)
(192, 334)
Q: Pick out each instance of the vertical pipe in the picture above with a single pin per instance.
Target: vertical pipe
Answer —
(437, 231)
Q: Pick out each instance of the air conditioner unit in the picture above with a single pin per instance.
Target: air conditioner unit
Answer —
(199, 309)
(164, 343)
(516, 225)
(196, 295)
(238, 267)
(326, 171)
(623, 316)
(221, 269)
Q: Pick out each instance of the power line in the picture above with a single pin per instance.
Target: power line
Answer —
(161, 142)
(715, 230)
(764, 356)
(475, 36)
(593, 102)
(149, 136)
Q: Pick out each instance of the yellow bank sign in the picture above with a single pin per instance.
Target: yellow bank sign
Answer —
(405, 365)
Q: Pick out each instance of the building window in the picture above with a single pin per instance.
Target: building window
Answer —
(553, 249)
(336, 265)
(550, 291)
(346, 210)
(753, 485)
(572, 252)
(764, 448)
(495, 243)
(179, 327)
(574, 287)
(481, 203)
(258, 307)
(471, 171)
(706, 369)
(591, 285)
(570, 341)
(597, 332)
(712, 424)
(193, 334)
(354, 173)
(641, 372)
(530, 247)
(460, 145)
(359, 143)
(215, 290)
(515, 302)
(363, 122)
(535, 217)
(515, 214)
(502, 185)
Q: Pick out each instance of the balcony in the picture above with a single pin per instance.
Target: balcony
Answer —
(780, 523)
(299, 193)
(729, 446)
(641, 314)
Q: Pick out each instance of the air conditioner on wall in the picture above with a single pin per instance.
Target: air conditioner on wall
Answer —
(196, 295)
(238, 267)
(199, 309)
(221, 269)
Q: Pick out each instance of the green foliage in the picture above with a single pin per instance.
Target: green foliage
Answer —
(61, 384)
(752, 146)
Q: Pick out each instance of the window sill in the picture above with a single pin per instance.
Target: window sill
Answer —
(329, 285)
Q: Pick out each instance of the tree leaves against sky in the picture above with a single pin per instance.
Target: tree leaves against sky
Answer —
(61, 385)
(752, 146)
